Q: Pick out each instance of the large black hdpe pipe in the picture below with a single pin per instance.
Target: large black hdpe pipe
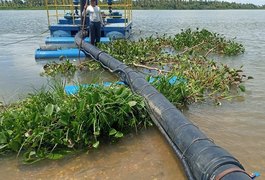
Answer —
(198, 153)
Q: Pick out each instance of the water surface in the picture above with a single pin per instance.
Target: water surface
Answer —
(238, 126)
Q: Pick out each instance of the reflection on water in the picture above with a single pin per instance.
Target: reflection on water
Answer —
(238, 126)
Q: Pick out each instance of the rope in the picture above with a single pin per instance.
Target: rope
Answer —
(84, 18)
(25, 38)
(83, 27)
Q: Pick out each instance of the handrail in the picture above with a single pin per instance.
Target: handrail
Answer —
(65, 5)
(58, 5)
(126, 6)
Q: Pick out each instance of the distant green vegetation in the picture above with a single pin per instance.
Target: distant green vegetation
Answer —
(191, 4)
(141, 4)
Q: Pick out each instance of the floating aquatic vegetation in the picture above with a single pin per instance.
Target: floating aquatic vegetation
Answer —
(176, 91)
(65, 68)
(204, 80)
(150, 50)
(184, 55)
(45, 123)
(205, 42)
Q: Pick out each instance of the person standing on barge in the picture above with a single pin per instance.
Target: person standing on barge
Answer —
(95, 21)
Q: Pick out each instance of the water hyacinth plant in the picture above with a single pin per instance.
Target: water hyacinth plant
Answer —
(185, 56)
(65, 68)
(47, 122)
(150, 50)
(204, 41)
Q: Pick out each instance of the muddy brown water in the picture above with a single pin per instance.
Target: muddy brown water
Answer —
(142, 156)
(238, 126)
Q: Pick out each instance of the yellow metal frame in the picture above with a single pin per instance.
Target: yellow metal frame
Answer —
(125, 5)
(56, 7)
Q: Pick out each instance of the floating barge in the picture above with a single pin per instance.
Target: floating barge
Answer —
(65, 20)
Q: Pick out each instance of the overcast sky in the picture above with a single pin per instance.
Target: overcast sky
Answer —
(257, 2)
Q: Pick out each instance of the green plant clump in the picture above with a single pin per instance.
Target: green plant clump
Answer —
(44, 124)
(65, 68)
(206, 41)
(149, 50)
(184, 56)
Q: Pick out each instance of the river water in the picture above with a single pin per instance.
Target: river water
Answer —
(238, 126)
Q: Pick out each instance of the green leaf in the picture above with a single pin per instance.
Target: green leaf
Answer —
(57, 108)
(28, 156)
(49, 109)
(89, 98)
(3, 146)
(55, 156)
(10, 132)
(132, 103)
(119, 135)
(3, 138)
(242, 88)
(63, 121)
(142, 104)
(119, 91)
(32, 153)
(14, 145)
(82, 105)
(112, 132)
(95, 97)
(96, 144)
(96, 133)
(250, 77)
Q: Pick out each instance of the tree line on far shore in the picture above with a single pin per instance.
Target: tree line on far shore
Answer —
(141, 4)
(192, 4)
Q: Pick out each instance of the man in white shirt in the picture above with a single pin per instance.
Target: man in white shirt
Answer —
(95, 22)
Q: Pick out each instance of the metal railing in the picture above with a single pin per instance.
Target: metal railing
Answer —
(123, 5)
(58, 8)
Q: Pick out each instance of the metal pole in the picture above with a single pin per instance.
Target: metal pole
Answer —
(82, 5)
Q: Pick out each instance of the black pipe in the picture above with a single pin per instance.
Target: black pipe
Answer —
(206, 160)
